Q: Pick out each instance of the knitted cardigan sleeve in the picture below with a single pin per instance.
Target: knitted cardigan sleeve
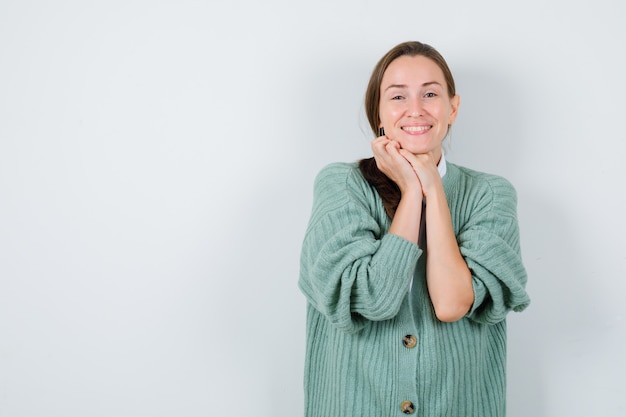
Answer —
(351, 270)
(490, 244)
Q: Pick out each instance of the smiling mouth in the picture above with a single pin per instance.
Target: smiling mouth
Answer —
(416, 129)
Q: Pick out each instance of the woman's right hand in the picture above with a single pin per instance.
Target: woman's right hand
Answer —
(406, 220)
(394, 165)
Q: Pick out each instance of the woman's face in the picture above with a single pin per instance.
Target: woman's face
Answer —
(415, 109)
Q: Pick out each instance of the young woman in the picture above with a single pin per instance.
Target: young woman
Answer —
(410, 263)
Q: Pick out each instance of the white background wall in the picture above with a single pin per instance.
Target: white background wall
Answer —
(156, 168)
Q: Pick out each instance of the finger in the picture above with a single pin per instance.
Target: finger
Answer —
(393, 148)
(411, 158)
(379, 142)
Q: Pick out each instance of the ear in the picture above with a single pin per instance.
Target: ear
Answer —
(455, 102)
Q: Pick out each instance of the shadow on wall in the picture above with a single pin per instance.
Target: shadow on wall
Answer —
(337, 127)
(487, 135)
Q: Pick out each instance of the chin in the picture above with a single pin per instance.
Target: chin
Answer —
(419, 150)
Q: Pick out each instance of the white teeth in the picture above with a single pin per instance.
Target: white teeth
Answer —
(415, 128)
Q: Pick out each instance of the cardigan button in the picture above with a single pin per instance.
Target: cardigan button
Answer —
(409, 341)
(407, 407)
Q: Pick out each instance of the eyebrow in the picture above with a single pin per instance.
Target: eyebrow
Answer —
(426, 84)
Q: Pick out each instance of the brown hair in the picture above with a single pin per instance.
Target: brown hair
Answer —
(386, 188)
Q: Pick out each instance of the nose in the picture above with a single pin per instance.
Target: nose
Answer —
(415, 108)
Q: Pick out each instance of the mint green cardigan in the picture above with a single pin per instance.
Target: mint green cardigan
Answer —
(374, 345)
